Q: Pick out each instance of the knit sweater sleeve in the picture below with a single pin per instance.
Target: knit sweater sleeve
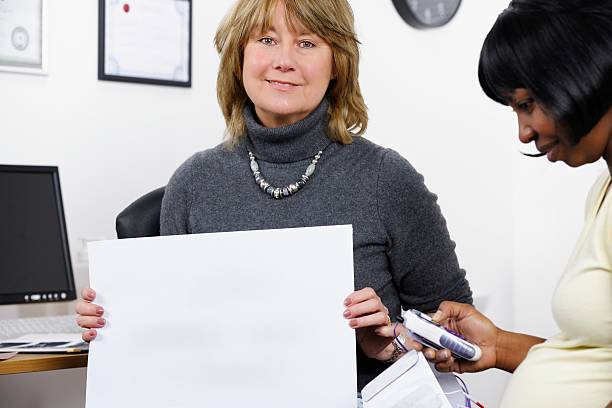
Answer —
(176, 204)
(421, 253)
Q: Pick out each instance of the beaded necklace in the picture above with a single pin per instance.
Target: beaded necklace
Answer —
(286, 191)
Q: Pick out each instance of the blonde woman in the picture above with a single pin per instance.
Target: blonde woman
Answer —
(294, 157)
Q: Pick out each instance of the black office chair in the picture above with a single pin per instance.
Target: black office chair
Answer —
(141, 218)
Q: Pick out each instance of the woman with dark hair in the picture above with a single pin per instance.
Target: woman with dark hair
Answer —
(551, 61)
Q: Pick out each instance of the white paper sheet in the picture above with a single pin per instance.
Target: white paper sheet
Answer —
(409, 383)
(147, 39)
(239, 319)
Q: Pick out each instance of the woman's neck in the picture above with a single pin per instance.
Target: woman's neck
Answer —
(275, 121)
(286, 144)
(608, 153)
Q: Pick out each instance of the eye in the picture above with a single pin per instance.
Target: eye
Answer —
(306, 44)
(525, 105)
(267, 41)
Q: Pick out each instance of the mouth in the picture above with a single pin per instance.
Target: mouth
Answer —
(281, 84)
(544, 150)
(549, 150)
(547, 147)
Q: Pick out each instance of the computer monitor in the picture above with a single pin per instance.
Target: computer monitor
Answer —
(34, 254)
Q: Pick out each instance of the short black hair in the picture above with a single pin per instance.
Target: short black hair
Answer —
(560, 51)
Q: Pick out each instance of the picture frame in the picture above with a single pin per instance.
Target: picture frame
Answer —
(145, 41)
(23, 36)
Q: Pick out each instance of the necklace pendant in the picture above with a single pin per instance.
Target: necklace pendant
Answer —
(310, 169)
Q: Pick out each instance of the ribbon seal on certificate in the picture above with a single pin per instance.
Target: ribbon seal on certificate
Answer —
(20, 38)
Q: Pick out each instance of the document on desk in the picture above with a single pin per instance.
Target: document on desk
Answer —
(232, 320)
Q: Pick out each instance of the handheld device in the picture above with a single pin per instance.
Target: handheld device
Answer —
(429, 333)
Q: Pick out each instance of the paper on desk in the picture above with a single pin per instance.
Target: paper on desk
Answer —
(6, 356)
(239, 319)
(45, 343)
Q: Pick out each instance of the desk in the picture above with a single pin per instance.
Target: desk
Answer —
(29, 363)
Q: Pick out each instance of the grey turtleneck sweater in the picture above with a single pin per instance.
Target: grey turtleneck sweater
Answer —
(401, 245)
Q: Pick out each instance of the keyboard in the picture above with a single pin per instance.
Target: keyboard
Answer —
(10, 328)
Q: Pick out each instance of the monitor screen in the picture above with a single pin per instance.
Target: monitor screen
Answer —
(34, 254)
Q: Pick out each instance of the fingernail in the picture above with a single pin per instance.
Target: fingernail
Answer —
(91, 293)
(101, 321)
(437, 316)
(353, 323)
(346, 313)
(93, 334)
(99, 311)
(347, 302)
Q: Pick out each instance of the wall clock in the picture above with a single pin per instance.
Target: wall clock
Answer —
(427, 13)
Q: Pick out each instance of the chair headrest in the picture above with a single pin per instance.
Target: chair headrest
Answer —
(141, 218)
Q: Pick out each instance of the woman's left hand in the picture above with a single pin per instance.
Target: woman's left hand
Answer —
(370, 319)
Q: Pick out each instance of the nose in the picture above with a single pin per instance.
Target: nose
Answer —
(285, 59)
(526, 132)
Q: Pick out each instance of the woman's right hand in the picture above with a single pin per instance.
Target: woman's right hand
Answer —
(89, 315)
(475, 327)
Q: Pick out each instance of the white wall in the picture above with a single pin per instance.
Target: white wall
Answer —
(514, 219)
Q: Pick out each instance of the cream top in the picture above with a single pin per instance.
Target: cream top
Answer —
(574, 368)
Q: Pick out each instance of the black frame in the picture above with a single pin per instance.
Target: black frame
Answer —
(408, 16)
(121, 78)
(19, 298)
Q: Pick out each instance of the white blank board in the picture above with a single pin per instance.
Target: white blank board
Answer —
(237, 319)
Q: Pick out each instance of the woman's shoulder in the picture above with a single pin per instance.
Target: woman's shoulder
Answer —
(392, 164)
(203, 162)
(362, 144)
(599, 194)
(209, 157)
(215, 154)
(392, 172)
(388, 159)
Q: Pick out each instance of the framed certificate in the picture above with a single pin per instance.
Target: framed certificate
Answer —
(23, 38)
(145, 41)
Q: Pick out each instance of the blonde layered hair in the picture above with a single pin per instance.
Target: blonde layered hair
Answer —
(332, 20)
